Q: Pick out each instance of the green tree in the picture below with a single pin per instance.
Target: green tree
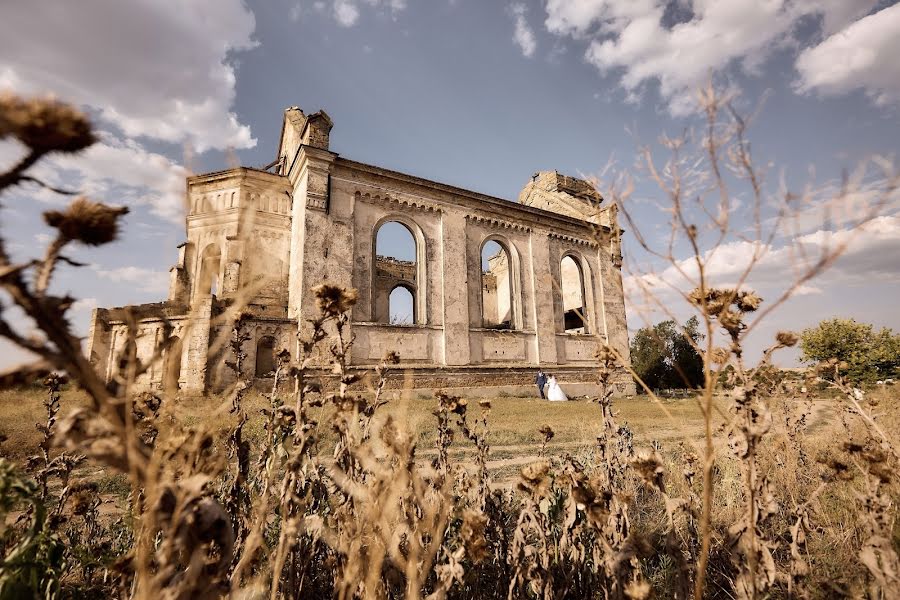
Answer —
(868, 354)
(664, 356)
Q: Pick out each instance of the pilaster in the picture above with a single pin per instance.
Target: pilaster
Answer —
(456, 286)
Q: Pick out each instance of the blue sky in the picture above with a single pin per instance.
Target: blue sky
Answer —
(479, 94)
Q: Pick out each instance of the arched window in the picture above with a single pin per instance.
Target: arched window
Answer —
(172, 372)
(402, 306)
(210, 261)
(265, 356)
(497, 305)
(398, 274)
(575, 316)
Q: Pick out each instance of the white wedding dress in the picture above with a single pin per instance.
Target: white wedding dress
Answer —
(554, 392)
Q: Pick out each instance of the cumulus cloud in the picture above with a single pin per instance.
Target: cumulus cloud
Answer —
(523, 35)
(869, 255)
(678, 44)
(115, 171)
(863, 55)
(347, 12)
(153, 68)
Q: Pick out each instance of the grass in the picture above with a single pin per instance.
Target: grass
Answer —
(513, 422)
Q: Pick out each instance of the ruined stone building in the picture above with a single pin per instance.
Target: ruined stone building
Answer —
(495, 288)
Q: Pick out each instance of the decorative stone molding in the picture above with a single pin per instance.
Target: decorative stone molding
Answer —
(574, 240)
(401, 201)
(497, 223)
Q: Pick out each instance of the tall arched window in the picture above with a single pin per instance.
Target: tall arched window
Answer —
(265, 356)
(172, 371)
(575, 316)
(402, 306)
(210, 261)
(497, 306)
(397, 275)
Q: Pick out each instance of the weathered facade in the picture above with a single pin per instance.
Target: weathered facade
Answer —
(551, 298)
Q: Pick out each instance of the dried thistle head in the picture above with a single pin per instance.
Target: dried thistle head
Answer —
(788, 339)
(648, 464)
(719, 355)
(546, 432)
(334, 300)
(473, 535)
(535, 477)
(88, 222)
(44, 124)
(731, 320)
(748, 301)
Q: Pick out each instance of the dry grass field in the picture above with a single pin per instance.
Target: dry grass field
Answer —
(514, 423)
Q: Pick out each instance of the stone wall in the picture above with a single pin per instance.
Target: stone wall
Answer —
(265, 240)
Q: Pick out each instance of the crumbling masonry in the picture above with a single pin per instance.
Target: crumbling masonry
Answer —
(550, 298)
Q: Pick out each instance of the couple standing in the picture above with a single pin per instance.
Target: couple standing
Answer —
(554, 392)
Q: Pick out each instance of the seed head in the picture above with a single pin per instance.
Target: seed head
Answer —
(719, 355)
(648, 464)
(472, 534)
(44, 124)
(748, 301)
(547, 432)
(334, 300)
(731, 321)
(787, 338)
(88, 222)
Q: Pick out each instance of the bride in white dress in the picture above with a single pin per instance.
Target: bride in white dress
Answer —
(554, 392)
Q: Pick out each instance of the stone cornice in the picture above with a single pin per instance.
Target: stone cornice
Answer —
(574, 240)
(398, 200)
(499, 223)
(238, 172)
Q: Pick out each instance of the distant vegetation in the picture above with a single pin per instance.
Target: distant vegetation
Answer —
(862, 354)
(665, 356)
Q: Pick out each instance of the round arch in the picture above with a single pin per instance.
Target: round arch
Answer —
(209, 267)
(585, 281)
(409, 289)
(515, 279)
(420, 290)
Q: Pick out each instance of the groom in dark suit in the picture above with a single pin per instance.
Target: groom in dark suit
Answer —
(540, 381)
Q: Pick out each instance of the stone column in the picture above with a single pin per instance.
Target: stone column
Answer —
(613, 303)
(195, 346)
(455, 289)
(98, 340)
(234, 256)
(545, 293)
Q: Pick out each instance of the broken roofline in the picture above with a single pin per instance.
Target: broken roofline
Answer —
(501, 206)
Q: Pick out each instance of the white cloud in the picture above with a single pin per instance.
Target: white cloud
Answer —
(346, 13)
(641, 41)
(146, 280)
(523, 36)
(114, 171)
(863, 56)
(153, 68)
(84, 305)
(807, 290)
(870, 255)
